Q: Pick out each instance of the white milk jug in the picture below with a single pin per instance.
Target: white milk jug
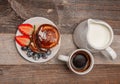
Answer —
(95, 35)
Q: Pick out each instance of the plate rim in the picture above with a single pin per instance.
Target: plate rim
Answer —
(33, 61)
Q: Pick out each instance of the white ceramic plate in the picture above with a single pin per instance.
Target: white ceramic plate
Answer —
(37, 21)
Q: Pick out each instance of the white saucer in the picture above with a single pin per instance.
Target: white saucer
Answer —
(38, 21)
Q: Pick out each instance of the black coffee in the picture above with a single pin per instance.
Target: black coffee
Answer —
(80, 61)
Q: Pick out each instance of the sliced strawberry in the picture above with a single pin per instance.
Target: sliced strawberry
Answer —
(22, 40)
(26, 29)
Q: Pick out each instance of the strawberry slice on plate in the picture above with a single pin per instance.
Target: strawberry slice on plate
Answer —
(26, 29)
(22, 40)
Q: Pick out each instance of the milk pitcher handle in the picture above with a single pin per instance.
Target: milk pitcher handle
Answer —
(109, 51)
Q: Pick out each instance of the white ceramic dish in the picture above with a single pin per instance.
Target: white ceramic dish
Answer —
(38, 21)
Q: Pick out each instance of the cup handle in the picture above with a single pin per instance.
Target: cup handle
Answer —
(109, 51)
(63, 58)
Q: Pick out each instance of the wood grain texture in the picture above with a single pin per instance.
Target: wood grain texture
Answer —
(9, 54)
(57, 74)
(71, 12)
(65, 13)
(32, 8)
(9, 20)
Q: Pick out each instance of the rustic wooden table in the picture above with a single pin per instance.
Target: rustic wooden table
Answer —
(66, 14)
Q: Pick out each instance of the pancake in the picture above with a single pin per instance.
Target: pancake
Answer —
(44, 38)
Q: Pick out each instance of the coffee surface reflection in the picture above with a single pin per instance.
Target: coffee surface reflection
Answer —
(80, 61)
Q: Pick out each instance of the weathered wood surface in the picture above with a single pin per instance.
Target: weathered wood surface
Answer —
(57, 74)
(66, 14)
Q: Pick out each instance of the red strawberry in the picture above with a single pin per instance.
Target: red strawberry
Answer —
(26, 29)
(22, 40)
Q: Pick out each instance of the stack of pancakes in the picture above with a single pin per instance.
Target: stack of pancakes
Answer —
(45, 37)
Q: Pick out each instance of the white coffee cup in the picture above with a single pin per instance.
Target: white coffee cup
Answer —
(68, 60)
(95, 36)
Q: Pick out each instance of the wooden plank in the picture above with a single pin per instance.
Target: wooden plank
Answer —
(9, 54)
(42, 8)
(69, 8)
(65, 13)
(71, 12)
(104, 5)
(57, 74)
(8, 18)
